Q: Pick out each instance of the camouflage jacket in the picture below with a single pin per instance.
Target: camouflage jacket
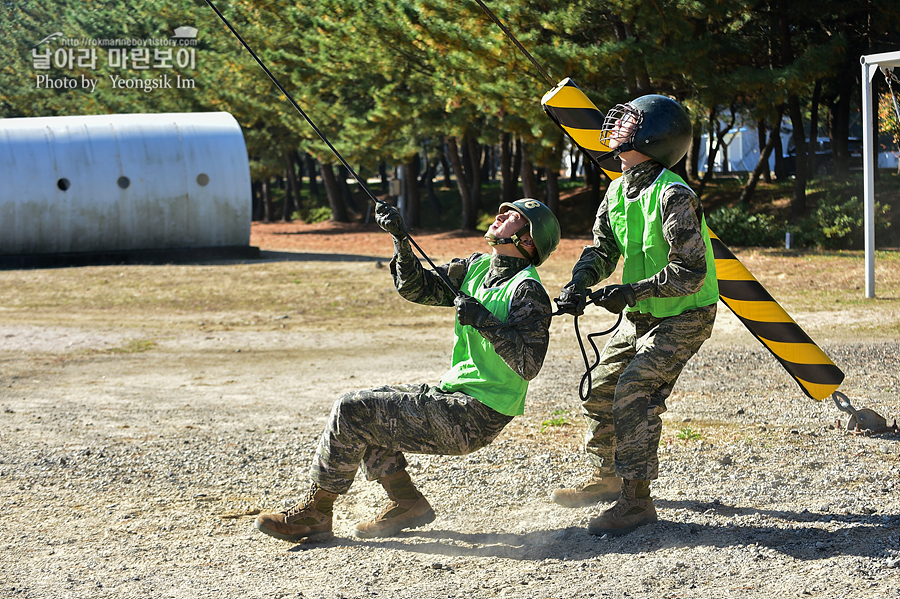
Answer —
(686, 271)
(522, 347)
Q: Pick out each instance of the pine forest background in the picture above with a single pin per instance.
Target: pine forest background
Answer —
(431, 92)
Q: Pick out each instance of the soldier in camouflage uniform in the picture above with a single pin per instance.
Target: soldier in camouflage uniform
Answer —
(481, 393)
(654, 220)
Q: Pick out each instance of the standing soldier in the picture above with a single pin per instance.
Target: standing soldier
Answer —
(669, 292)
(482, 392)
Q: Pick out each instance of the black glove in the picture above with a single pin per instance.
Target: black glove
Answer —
(389, 219)
(572, 299)
(469, 311)
(615, 297)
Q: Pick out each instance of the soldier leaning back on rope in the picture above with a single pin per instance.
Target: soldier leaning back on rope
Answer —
(481, 393)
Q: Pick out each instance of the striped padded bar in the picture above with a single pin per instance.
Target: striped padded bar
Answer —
(816, 374)
(576, 115)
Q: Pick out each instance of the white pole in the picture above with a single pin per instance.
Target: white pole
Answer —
(868, 174)
(870, 66)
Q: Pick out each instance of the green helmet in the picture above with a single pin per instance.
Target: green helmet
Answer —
(542, 225)
(662, 128)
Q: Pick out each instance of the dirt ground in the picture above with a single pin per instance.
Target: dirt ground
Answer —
(149, 412)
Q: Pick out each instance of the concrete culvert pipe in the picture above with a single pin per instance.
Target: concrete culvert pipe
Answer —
(123, 182)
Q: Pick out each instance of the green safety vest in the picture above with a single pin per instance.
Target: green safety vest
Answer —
(477, 369)
(637, 224)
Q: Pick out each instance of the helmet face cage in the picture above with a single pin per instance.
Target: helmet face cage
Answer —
(620, 126)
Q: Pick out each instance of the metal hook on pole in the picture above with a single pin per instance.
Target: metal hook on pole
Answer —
(334, 151)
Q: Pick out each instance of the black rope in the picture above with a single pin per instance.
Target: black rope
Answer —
(583, 390)
(515, 41)
(362, 184)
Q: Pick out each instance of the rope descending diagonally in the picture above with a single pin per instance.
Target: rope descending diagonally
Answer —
(514, 40)
(362, 184)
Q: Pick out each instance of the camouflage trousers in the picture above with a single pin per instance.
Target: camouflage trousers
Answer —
(636, 373)
(372, 428)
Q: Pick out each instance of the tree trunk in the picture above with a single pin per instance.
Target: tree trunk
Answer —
(298, 162)
(762, 166)
(840, 127)
(551, 174)
(574, 163)
(292, 193)
(412, 213)
(487, 163)
(433, 200)
(596, 182)
(516, 168)
(779, 157)
(693, 157)
(507, 183)
(445, 166)
(761, 144)
(467, 214)
(312, 170)
(267, 201)
(333, 190)
(551, 192)
(719, 135)
(473, 171)
(798, 199)
(529, 184)
(288, 202)
(428, 171)
(385, 183)
(634, 70)
(346, 194)
(255, 201)
(812, 163)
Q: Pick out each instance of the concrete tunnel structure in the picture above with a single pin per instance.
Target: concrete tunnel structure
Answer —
(124, 183)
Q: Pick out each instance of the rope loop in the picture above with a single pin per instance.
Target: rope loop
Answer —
(584, 390)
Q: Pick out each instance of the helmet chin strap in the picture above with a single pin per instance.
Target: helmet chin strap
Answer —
(515, 239)
(625, 147)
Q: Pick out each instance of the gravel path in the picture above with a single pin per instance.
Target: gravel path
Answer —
(138, 474)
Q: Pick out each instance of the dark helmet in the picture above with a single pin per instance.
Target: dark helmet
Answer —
(542, 224)
(662, 128)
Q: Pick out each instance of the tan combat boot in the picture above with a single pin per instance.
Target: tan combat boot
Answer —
(408, 509)
(309, 520)
(634, 508)
(594, 490)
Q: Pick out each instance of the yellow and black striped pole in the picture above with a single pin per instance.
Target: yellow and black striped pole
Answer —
(816, 374)
(582, 121)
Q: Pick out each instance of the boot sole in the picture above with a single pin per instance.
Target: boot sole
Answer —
(316, 537)
(426, 518)
(586, 502)
(618, 532)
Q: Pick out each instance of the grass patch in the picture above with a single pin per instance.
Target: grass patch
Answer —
(131, 346)
(687, 434)
(558, 417)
